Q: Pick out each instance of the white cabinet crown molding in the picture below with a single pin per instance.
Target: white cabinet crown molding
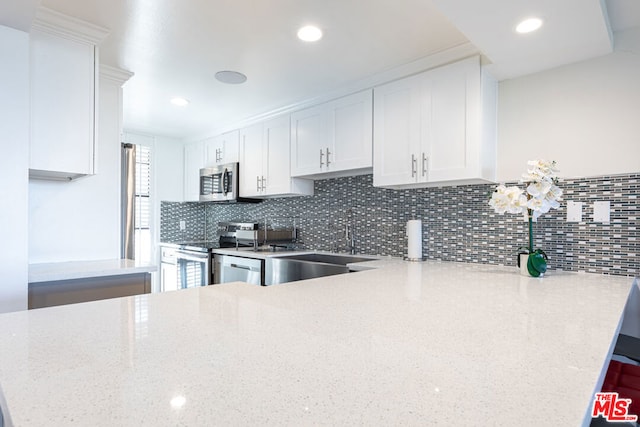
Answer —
(56, 23)
(438, 59)
(114, 74)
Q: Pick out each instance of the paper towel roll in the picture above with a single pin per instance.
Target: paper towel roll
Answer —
(414, 240)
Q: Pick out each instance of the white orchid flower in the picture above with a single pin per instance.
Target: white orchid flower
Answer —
(539, 189)
(541, 194)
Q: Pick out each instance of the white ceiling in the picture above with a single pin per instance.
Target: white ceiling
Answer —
(175, 47)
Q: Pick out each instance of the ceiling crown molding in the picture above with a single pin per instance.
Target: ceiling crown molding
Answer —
(437, 59)
(56, 23)
(114, 74)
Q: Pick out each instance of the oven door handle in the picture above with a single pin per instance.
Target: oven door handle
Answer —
(189, 257)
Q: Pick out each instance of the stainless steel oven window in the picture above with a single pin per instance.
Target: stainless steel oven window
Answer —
(193, 269)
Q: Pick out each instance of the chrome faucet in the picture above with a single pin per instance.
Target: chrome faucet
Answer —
(350, 239)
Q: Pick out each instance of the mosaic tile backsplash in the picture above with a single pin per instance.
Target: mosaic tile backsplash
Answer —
(458, 224)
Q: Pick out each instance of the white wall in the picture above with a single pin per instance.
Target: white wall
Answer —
(586, 116)
(80, 220)
(14, 164)
(169, 168)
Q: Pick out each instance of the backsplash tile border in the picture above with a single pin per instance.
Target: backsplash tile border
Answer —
(458, 224)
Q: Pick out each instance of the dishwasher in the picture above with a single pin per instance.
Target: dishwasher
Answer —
(230, 268)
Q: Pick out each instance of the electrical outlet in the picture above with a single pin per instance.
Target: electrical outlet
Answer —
(574, 211)
(183, 225)
(601, 212)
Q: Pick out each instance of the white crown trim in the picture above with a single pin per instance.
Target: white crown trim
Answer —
(437, 59)
(56, 23)
(115, 74)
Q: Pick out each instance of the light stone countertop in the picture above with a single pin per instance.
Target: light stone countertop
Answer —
(49, 272)
(404, 344)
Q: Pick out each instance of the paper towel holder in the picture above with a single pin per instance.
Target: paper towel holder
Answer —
(414, 249)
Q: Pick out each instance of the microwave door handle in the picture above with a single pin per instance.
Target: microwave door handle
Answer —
(225, 182)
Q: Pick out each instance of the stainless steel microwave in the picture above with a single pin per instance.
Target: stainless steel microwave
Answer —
(221, 184)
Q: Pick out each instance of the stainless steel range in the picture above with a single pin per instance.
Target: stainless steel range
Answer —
(253, 234)
(190, 264)
(231, 268)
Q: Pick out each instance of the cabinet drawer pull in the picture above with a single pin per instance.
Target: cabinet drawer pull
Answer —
(321, 155)
(425, 164)
(257, 183)
(414, 164)
(328, 152)
(264, 184)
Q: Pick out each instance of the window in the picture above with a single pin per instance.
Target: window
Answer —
(143, 204)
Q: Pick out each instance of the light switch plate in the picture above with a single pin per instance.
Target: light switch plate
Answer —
(574, 211)
(183, 225)
(601, 211)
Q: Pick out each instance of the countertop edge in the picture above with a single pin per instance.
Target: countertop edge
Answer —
(69, 270)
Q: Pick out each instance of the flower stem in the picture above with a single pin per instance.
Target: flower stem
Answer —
(530, 212)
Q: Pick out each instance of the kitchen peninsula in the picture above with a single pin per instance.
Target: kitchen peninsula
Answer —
(402, 344)
(59, 283)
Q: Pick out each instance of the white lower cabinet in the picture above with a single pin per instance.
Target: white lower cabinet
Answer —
(436, 128)
(334, 138)
(264, 161)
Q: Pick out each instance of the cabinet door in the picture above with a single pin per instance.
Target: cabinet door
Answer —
(212, 151)
(168, 277)
(251, 162)
(222, 149)
(63, 104)
(230, 143)
(193, 162)
(447, 139)
(276, 144)
(309, 138)
(351, 127)
(397, 139)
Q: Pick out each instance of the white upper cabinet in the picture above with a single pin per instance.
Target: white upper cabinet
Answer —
(63, 76)
(333, 139)
(222, 149)
(436, 128)
(251, 161)
(264, 161)
(193, 162)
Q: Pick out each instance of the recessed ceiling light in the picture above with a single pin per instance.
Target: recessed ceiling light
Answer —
(178, 402)
(310, 33)
(180, 102)
(231, 77)
(529, 25)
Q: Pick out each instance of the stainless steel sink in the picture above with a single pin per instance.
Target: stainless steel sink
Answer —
(308, 266)
(335, 259)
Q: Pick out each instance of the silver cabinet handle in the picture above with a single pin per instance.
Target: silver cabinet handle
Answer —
(414, 164)
(257, 183)
(425, 164)
(328, 152)
(264, 185)
(321, 155)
